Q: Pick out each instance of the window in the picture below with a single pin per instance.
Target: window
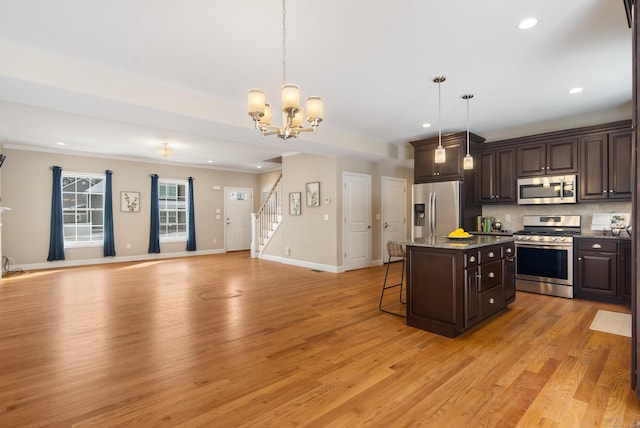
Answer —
(83, 208)
(172, 201)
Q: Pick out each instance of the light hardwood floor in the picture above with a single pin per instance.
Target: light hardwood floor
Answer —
(229, 341)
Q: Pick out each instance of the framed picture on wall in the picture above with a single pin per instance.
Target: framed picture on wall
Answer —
(130, 202)
(295, 202)
(313, 194)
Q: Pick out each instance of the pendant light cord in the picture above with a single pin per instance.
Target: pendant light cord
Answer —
(284, 42)
(439, 115)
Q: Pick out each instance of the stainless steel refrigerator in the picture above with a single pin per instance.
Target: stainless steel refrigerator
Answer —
(437, 209)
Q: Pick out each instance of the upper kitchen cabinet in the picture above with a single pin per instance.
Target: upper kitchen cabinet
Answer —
(605, 166)
(426, 170)
(555, 157)
(496, 175)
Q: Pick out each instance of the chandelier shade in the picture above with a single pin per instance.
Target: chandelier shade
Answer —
(292, 111)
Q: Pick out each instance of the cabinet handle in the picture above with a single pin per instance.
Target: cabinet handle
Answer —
(610, 190)
(492, 301)
(491, 254)
(542, 169)
(579, 259)
(472, 259)
(604, 192)
(596, 246)
(492, 275)
(548, 168)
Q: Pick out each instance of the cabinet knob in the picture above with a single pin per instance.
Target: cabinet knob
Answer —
(596, 246)
(548, 168)
(492, 275)
(604, 192)
(492, 301)
(472, 259)
(542, 169)
(508, 250)
(610, 190)
(491, 254)
(579, 259)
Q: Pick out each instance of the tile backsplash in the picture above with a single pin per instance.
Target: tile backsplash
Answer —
(511, 215)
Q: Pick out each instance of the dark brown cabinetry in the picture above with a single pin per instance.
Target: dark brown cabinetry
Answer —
(605, 166)
(602, 269)
(555, 157)
(426, 170)
(496, 176)
(452, 290)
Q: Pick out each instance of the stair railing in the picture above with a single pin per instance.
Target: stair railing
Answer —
(267, 218)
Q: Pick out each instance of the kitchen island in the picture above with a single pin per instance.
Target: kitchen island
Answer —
(453, 285)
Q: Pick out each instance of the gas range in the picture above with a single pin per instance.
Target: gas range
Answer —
(544, 254)
(549, 228)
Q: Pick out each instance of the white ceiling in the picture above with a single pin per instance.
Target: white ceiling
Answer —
(119, 77)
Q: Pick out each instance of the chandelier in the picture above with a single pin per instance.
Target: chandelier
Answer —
(164, 150)
(292, 111)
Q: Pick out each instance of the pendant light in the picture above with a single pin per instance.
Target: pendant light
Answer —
(467, 163)
(440, 156)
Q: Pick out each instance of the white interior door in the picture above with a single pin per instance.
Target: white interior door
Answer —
(238, 205)
(394, 213)
(357, 232)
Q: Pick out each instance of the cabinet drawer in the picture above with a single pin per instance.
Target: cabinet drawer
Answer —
(487, 255)
(470, 259)
(491, 301)
(509, 250)
(490, 275)
(608, 245)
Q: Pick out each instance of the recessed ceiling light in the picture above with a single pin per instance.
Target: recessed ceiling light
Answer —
(210, 161)
(259, 167)
(60, 143)
(575, 91)
(426, 125)
(525, 24)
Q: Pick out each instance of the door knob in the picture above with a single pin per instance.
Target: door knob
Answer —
(369, 227)
(386, 225)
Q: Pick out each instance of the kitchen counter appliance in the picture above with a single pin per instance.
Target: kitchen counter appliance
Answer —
(544, 254)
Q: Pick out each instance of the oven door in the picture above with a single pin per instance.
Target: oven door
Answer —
(545, 263)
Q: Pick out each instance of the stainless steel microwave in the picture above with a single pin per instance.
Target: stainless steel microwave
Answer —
(547, 190)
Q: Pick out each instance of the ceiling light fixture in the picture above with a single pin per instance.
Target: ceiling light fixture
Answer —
(440, 155)
(165, 150)
(292, 112)
(426, 125)
(525, 24)
(574, 91)
(467, 162)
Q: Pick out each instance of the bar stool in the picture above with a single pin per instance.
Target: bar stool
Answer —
(395, 249)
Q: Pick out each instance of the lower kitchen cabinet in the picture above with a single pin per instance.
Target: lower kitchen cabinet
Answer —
(603, 269)
(449, 291)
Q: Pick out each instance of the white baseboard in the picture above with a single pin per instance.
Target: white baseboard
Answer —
(302, 263)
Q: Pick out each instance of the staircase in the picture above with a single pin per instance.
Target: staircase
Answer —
(265, 222)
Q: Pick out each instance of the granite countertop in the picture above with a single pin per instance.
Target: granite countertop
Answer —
(475, 241)
(592, 234)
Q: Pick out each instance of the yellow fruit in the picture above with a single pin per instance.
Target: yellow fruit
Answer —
(459, 232)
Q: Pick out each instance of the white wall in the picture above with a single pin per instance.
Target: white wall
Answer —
(26, 188)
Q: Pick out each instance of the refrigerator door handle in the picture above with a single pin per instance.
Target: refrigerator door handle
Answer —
(430, 213)
(433, 216)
